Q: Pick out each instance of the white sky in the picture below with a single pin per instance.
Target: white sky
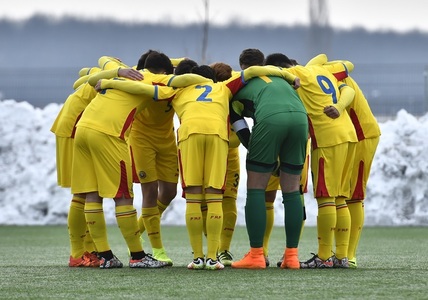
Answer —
(342, 14)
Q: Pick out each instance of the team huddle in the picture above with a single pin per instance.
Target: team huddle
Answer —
(117, 129)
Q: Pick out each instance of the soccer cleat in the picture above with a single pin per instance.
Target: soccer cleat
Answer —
(317, 263)
(267, 262)
(278, 264)
(352, 263)
(290, 260)
(213, 265)
(197, 264)
(86, 260)
(91, 259)
(110, 264)
(77, 262)
(160, 254)
(147, 261)
(340, 263)
(225, 258)
(252, 260)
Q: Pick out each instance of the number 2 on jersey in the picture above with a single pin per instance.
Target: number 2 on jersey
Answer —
(203, 96)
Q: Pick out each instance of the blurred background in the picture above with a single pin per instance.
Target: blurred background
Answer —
(43, 46)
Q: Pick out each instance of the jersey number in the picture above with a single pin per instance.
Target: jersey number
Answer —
(327, 87)
(203, 96)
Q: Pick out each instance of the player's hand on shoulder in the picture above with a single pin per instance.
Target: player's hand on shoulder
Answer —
(130, 74)
(98, 86)
(296, 83)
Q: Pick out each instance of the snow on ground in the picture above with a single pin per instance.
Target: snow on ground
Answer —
(397, 191)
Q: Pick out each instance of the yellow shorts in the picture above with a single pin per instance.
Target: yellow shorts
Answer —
(154, 156)
(327, 166)
(64, 160)
(101, 163)
(364, 154)
(233, 173)
(203, 161)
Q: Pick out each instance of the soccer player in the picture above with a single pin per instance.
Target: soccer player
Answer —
(203, 143)
(154, 150)
(331, 132)
(368, 133)
(223, 72)
(82, 248)
(101, 146)
(280, 131)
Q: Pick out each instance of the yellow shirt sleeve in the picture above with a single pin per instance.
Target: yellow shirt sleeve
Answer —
(109, 63)
(106, 74)
(139, 88)
(186, 80)
(320, 59)
(176, 61)
(347, 95)
(256, 71)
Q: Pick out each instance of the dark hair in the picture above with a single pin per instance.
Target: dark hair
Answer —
(157, 62)
(222, 71)
(279, 60)
(185, 66)
(294, 62)
(251, 57)
(143, 57)
(204, 70)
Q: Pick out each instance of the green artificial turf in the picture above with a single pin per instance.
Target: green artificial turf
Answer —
(391, 265)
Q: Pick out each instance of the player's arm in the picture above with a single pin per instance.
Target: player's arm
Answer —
(320, 59)
(137, 87)
(186, 80)
(339, 68)
(347, 95)
(121, 72)
(176, 61)
(109, 63)
(88, 71)
(255, 71)
(238, 122)
(84, 74)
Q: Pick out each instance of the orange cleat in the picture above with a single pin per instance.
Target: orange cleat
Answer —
(291, 260)
(254, 259)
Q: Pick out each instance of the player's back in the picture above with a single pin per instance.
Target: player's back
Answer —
(112, 111)
(271, 95)
(361, 113)
(72, 109)
(156, 116)
(203, 108)
(319, 89)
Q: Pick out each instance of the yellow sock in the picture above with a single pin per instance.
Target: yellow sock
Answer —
(343, 224)
(76, 226)
(214, 223)
(126, 217)
(270, 218)
(96, 223)
(141, 224)
(151, 218)
(326, 224)
(162, 207)
(88, 242)
(194, 223)
(356, 210)
(229, 221)
(204, 210)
